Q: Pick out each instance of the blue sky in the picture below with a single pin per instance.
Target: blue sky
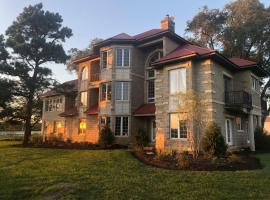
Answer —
(104, 18)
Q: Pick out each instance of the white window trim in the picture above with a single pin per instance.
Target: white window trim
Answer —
(176, 69)
(122, 57)
(241, 128)
(178, 130)
(122, 91)
(102, 66)
(106, 92)
(256, 83)
(121, 127)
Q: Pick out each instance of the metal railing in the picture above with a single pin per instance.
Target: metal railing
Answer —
(94, 77)
(238, 98)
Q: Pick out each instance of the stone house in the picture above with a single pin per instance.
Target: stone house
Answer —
(129, 82)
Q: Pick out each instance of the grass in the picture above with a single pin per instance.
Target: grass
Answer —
(33, 173)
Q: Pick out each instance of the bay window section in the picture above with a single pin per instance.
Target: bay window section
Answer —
(178, 127)
(122, 91)
(105, 92)
(122, 57)
(121, 127)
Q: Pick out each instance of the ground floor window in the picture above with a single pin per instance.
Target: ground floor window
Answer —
(121, 126)
(178, 127)
(58, 127)
(82, 128)
(239, 123)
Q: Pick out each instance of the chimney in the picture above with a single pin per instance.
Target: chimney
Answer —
(168, 23)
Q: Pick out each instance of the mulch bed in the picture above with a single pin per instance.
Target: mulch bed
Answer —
(246, 162)
(75, 146)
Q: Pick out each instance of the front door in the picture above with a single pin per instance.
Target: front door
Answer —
(228, 129)
(153, 129)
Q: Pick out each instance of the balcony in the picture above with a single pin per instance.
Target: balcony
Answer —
(238, 101)
(94, 77)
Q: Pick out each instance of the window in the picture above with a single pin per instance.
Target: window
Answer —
(177, 81)
(121, 90)
(122, 57)
(121, 126)
(151, 90)
(178, 128)
(82, 128)
(105, 94)
(150, 75)
(104, 56)
(239, 123)
(254, 83)
(84, 98)
(85, 73)
(54, 105)
(58, 127)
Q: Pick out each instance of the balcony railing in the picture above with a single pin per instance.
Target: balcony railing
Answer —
(94, 77)
(238, 99)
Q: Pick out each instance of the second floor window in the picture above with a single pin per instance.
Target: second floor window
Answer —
(121, 90)
(105, 92)
(104, 61)
(84, 98)
(85, 73)
(254, 83)
(122, 57)
(54, 105)
(177, 81)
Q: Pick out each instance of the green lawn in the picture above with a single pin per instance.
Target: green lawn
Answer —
(31, 173)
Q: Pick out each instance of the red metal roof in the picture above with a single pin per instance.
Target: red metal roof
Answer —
(69, 85)
(241, 62)
(145, 109)
(69, 112)
(92, 110)
(186, 50)
(122, 36)
(149, 33)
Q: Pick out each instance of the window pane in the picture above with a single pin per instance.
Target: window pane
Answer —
(126, 57)
(151, 73)
(118, 91)
(182, 80)
(108, 121)
(85, 73)
(118, 57)
(103, 92)
(117, 130)
(125, 90)
(104, 59)
(173, 81)
(151, 89)
(183, 129)
(125, 126)
(82, 128)
(84, 98)
(109, 92)
(174, 119)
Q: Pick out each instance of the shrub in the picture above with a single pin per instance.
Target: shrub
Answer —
(141, 138)
(262, 140)
(36, 139)
(106, 137)
(213, 142)
(182, 160)
(166, 155)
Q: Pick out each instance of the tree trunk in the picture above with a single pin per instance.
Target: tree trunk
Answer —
(27, 130)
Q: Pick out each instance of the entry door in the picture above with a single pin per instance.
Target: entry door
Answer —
(228, 129)
(153, 130)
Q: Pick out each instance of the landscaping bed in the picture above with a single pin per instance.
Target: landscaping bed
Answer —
(232, 162)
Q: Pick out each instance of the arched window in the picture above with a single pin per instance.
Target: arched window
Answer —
(85, 73)
(150, 75)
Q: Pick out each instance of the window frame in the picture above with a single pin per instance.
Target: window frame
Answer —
(177, 78)
(108, 92)
(122, 83)
(121, 126)
(84, 75)
(85, 98)
(82, 129)
(102, 59)
(239, 125)
(54, 105)
(122, 65)
(178, 128)
(254, 83)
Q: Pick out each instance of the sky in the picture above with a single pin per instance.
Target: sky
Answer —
(89, 19)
